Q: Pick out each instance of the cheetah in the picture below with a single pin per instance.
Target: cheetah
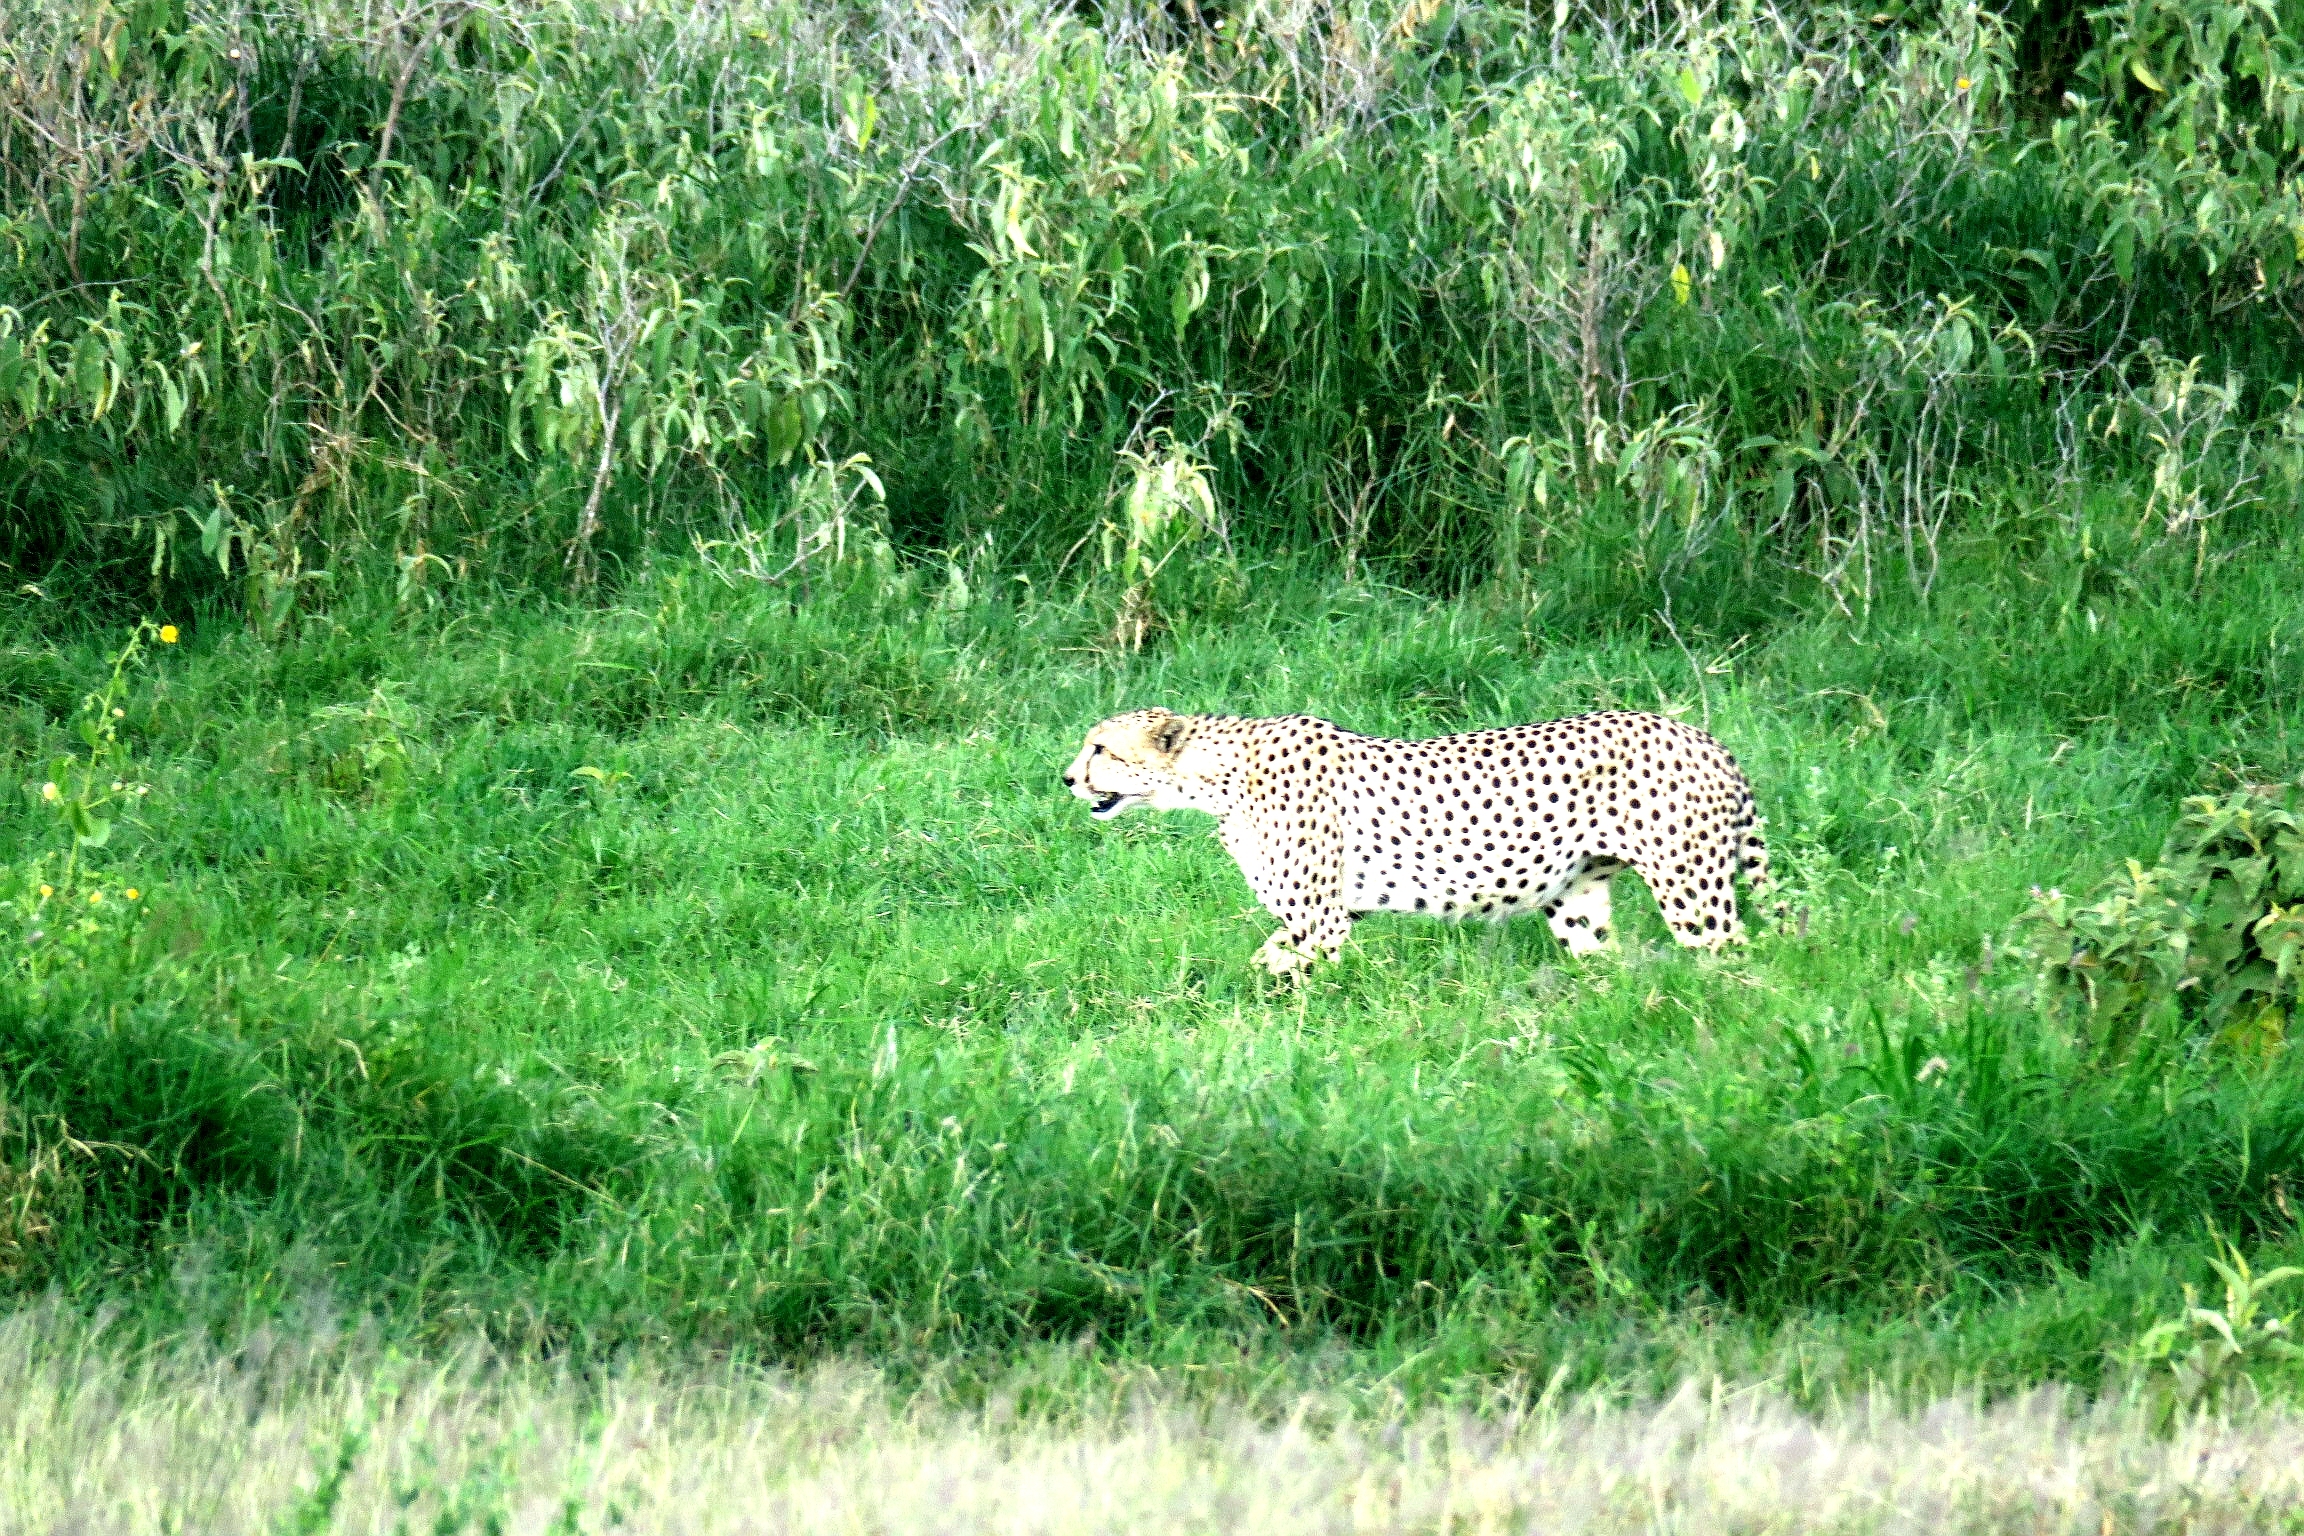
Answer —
(1328, 825)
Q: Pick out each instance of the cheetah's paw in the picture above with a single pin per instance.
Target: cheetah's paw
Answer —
(1280, 957)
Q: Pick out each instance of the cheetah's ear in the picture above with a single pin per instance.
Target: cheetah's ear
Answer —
(1169, 735)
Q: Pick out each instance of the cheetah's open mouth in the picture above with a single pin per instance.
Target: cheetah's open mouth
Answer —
(1106, 806)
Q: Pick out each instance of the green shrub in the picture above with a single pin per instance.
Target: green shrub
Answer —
(2208, 1350)
(317, 303)
(2184, 123)
(2207, 940)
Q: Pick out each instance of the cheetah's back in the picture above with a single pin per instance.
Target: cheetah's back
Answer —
(1540, 817)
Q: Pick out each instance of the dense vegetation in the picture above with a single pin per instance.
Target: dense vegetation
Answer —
(644, 502)
(1653, 303)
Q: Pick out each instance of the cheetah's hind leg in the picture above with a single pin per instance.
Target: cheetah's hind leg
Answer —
(1752, 863)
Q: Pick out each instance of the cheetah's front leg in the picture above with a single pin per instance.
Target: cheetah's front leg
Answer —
(1581, 917)
(1293, 948)
(1295, 873)
(1280, 956)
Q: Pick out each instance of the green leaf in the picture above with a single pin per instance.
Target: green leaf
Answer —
(91, 831)
(785, 427)
(2145, 77)
(1691, 88)
(862, 114)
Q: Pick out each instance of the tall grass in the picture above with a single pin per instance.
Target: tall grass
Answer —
(309, 294)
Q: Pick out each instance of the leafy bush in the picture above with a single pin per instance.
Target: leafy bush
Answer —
(2224, 1343)
(2209, 938)
(2185, 121)
(1169, 511)
(529, 291)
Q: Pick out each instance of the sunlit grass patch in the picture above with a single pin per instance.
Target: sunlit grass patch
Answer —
(723, 1022)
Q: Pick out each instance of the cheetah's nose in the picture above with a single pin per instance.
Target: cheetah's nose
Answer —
(1067, 781)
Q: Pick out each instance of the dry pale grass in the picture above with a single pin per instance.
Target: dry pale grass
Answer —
(346, 1437)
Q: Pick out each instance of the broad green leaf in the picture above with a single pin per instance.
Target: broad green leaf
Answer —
(785, 428)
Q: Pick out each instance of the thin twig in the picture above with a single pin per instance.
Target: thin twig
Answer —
(903, 190)
(448, 13)
(94, 282)
(295, 101)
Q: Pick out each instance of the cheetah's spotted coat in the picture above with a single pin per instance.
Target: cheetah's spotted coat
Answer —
(1328, 825)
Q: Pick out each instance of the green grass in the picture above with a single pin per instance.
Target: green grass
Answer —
(821, 1020)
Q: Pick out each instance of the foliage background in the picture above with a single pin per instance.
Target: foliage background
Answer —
(1710, 300)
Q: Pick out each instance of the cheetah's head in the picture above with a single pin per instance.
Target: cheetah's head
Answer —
(1145, 757)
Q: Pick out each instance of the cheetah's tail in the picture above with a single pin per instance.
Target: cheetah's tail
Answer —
(1752, 864)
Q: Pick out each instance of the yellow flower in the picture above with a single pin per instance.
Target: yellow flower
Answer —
(94, 897)
(130, 893)
(167, 634)
(1961, 84)
(49, 791)
(47, 891)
